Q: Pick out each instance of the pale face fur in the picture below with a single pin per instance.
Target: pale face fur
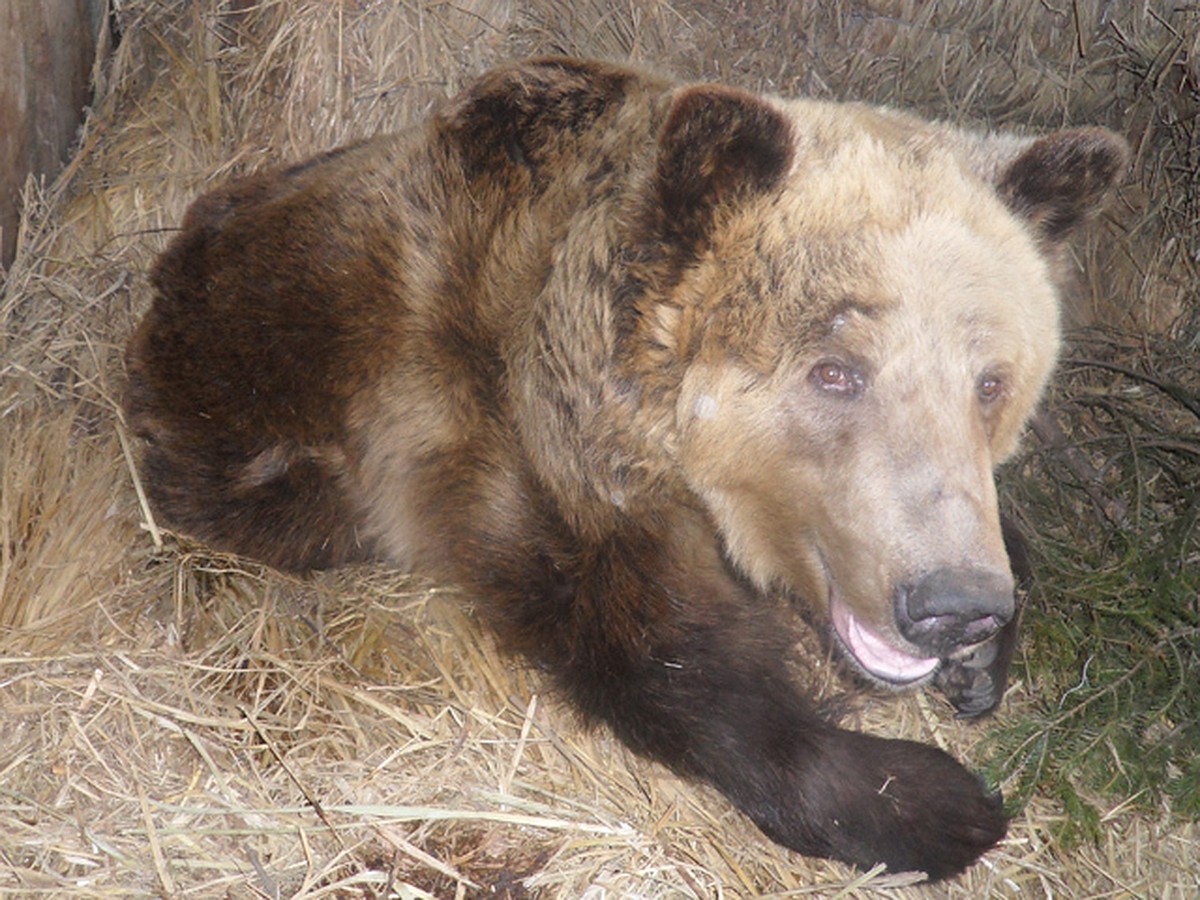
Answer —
(846, 458)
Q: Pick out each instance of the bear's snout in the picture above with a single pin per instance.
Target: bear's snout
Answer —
(951, 608)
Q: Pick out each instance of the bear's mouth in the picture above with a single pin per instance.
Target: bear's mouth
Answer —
(874, 655)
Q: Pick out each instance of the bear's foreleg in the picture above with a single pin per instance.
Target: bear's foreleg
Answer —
(689, 667)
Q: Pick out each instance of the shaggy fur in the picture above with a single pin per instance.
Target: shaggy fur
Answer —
(633, 361)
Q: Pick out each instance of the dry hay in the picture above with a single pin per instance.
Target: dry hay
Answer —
(185, 724)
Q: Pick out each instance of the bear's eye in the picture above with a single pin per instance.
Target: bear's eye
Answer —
(990, 387)
(836, 377)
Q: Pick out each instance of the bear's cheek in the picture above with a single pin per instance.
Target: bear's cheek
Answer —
(735, 458)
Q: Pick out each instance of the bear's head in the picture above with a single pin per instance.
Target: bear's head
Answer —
(860, 311)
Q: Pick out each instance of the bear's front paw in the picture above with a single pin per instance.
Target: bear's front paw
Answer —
(908, 805)
(918, 809)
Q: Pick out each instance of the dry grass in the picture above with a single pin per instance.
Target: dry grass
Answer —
(182, 724)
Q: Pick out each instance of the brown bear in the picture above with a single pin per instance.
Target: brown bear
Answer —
(640, 364)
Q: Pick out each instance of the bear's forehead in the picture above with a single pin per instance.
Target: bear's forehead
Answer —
(932, 296)
(856, 165)
(990, 286)
(935, 266)
(934, 313)
(918, 241)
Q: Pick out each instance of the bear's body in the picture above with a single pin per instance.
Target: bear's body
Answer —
(632, 361)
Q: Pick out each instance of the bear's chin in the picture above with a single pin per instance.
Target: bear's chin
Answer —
(877, 659)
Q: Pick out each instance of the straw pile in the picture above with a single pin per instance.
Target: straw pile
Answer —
(179, 723)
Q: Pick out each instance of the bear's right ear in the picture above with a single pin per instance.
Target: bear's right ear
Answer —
(718, 145)
(1059, 181)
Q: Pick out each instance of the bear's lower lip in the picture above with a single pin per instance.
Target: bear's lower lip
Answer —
(876, 656)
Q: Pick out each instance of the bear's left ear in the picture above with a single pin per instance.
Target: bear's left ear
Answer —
(1058, 181)
(718, 145)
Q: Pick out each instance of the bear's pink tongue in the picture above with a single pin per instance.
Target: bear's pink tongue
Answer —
(876, 655)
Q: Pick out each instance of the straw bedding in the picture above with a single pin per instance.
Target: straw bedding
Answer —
(179, 723)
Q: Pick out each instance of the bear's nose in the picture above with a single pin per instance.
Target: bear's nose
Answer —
(951, 608)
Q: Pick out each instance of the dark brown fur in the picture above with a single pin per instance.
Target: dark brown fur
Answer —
(581, 344)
